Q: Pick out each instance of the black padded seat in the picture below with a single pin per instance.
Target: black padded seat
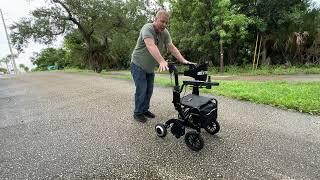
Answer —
(195, 101)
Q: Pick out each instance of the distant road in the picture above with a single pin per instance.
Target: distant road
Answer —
(57, 125)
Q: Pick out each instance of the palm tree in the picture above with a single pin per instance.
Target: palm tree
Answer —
(25, 68)
(1, 61)
(6, 61)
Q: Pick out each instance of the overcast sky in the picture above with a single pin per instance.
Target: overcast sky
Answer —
(13, 10)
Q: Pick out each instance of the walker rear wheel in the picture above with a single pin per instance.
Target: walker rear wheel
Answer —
(194, 141)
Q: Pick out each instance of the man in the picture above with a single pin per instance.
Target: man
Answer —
(153, 40)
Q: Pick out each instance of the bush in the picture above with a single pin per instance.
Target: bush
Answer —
(3, 70)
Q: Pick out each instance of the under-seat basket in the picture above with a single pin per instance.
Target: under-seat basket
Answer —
(204, 108)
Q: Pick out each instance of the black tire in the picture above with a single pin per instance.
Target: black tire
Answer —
(161, 130)
(194, 141)
(212, 127)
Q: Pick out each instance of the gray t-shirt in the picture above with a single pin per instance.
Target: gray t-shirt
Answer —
(141, 55)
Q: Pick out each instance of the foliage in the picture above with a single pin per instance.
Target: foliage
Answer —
(93, 23)
(5, 60)
(199, 28)
(76, 52)
(8, 60)
(50, 57)
(281, 21)
(101, 34)
(280, 94)
(3, 70)
(25, 68)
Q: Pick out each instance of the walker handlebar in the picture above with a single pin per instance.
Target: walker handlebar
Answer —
(200, 83)
(198, 72)
(172, 68)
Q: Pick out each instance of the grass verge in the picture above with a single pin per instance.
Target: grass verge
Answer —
(303, 97)
(267, 70)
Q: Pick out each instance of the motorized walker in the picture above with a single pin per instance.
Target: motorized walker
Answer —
(194, 111)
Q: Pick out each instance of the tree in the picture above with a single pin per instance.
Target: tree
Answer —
(4, 70)
(205, 28)
(279, 21)
(7, 60)
(95, 22)
(22, 66)
(49, 57)
(229, 23)
(25, 68)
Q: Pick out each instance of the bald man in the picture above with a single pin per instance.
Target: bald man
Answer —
(154, 39)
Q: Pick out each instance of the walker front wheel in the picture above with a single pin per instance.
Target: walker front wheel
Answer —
(212, 127)
(161, 130)
(194, 141)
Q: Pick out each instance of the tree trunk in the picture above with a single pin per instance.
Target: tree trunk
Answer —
(221, 57)
(8, 70)
(89, 54)
(255, 53)
(264, 52)
(92, 59)
(231, 54)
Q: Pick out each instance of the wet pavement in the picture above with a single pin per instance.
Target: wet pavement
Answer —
(57, 125)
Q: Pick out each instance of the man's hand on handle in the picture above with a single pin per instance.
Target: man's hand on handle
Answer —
(163, 66)
(187, 62)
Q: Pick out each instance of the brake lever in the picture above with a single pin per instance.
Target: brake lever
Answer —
(192, 65)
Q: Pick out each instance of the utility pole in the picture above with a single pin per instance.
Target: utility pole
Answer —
(12, 57)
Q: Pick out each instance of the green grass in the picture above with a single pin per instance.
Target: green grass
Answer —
(299, 96)
(267, 70)
(303, 97)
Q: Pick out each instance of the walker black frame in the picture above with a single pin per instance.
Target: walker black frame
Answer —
(189, 113)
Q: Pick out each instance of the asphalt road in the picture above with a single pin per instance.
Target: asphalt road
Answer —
(70, 126)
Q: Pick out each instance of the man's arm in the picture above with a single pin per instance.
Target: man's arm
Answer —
(176, 53)
(154, 51)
